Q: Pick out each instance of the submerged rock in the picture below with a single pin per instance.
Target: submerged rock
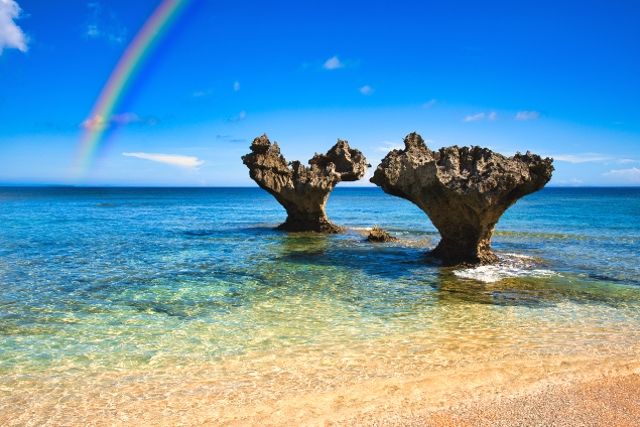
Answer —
(380, 235)
(303, 190)
(463, 190)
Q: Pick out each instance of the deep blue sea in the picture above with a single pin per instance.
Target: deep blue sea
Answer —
(145, 281)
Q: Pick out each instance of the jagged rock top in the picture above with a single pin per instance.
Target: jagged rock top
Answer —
(462, 170)
(348, 162)
(340, 163)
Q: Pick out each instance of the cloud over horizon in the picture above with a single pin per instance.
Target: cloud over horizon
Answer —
(187, 162)
(11, 36)
(628, 176)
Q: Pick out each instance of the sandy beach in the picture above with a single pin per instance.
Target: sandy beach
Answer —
(610, 401)
(535, 391)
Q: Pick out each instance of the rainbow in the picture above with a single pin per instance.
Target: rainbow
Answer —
(123, 74)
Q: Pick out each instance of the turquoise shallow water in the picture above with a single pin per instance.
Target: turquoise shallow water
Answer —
(120, 279)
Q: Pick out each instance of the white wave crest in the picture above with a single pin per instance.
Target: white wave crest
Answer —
(509, 266)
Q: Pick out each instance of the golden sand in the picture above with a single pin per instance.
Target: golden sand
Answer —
(535, 391)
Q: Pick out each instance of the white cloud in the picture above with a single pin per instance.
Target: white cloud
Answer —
(491, 115)
(572, 182)
(366, 90)
(125, 118)
(11, 36)
(94, 123)
(581, 158)
(430, 103)
(527, 115)
(240, 116)
(188, 162)
(98, 122)
(474, 117)
(236, 86)
(627, 161)
(332, 63)
(628, 176)
(103, 24)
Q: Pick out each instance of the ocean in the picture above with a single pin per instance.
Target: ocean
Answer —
(109, 294)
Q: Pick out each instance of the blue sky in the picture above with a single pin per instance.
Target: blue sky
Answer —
(557, 79)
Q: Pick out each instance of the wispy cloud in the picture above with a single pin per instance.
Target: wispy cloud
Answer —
(333, 63)
(103, 24)
(11, 36)
(628, 176)
(581, 158)
(527, 115)
(492, 115)
(474, 117)
(202, 93)
(236, 86)
(187, 162)
(95, 123)
(627, 161)
(230, 138)
(430, 103)
(574, 182)
(98, 122)
(239, 117)
(386, 146)
(366, 90)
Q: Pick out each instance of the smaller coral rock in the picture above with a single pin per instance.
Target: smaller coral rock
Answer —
(304, 190)
(379, 235)
(463, 190)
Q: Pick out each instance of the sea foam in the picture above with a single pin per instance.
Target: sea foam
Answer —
(510, 265)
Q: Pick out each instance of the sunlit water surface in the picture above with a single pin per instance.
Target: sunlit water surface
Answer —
(158, 291)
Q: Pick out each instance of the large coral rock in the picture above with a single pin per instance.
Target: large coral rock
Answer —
(304, 190)
(463, 190)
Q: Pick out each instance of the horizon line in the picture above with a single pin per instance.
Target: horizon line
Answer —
(44, 185)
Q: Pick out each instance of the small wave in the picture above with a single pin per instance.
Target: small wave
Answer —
(199, 233)
(509, 266)
(361, 230)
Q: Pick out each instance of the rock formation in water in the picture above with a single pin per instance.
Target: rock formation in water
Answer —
(303, 190)
(380, 235)
(463, 190)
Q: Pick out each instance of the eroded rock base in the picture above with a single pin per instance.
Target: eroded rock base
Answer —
(318, 226)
